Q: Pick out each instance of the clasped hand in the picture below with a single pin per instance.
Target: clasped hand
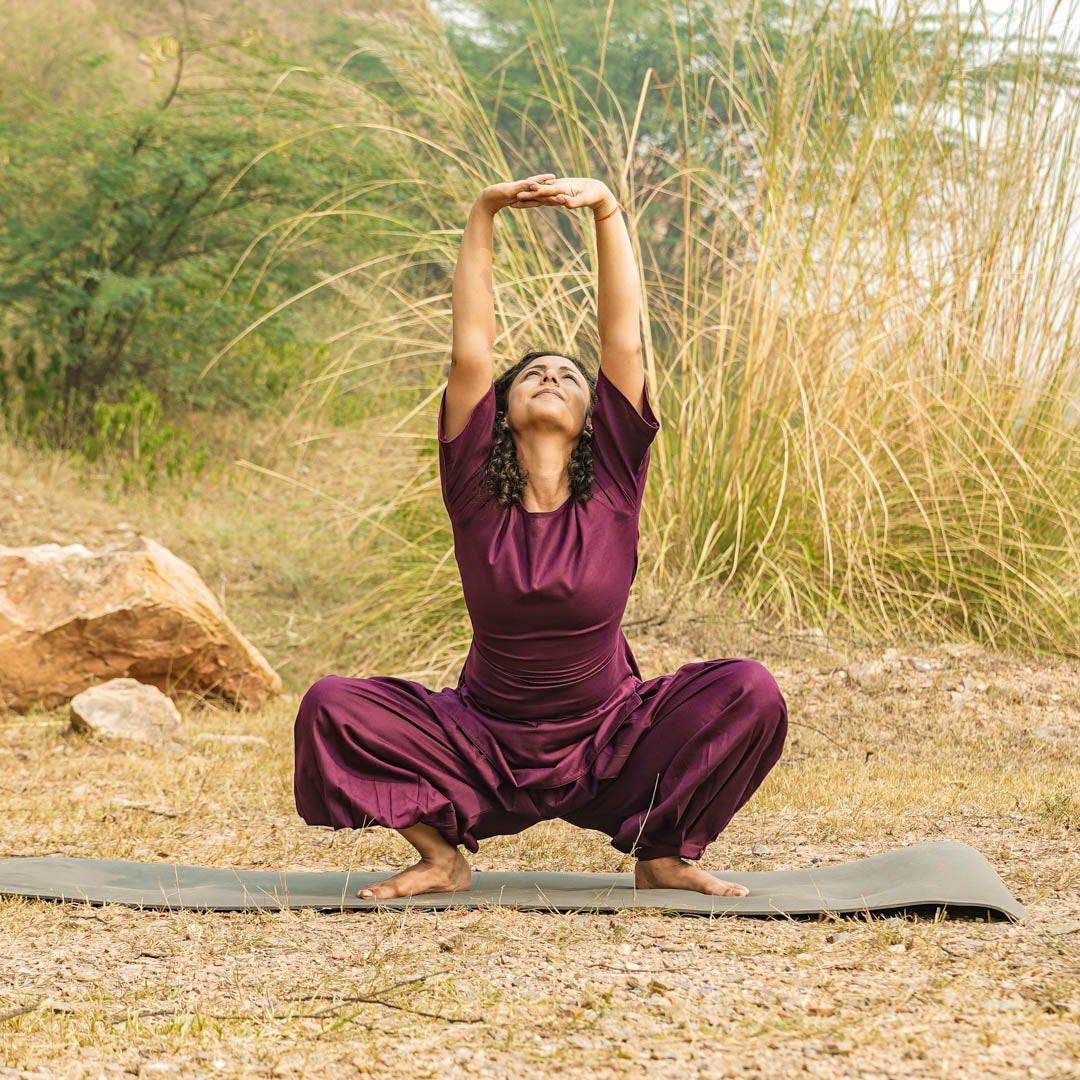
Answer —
(546, 189)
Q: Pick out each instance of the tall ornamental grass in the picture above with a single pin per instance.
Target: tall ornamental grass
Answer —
(857, 251)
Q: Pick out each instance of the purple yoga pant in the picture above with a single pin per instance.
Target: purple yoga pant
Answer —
(390, 752)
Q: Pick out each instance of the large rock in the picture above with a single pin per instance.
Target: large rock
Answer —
(126, 709)
(71, 618)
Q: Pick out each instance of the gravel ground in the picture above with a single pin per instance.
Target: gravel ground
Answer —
(882, 752)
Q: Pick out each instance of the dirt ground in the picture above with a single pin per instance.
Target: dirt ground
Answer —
(922, 742)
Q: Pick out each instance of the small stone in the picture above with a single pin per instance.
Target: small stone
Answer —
(919, 664)
(52, 1005)
(126, 709)
(761, 849)
(869, 674)
(1058, 929)
(615, 1029)
(839, 936)
(845, 1046)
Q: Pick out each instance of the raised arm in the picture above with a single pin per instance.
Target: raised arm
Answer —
(618, 291)
(473, 304)
(618, 302)
(474, 321)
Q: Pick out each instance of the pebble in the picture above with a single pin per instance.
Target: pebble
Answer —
(869, 673)
(616, 1029)
(1058, 929)
(1006, 1004)
(1053, 733)
(761, 849)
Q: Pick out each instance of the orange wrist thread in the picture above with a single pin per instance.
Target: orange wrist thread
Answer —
(612, 214)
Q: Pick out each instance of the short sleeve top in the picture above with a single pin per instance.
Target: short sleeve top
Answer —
(546, 591)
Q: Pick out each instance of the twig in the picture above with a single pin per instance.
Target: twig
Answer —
(803, 723)
(126, 804)
(385, 990)
(321, 1012)
(12, 1013)
(626, 971)
(296, 1016)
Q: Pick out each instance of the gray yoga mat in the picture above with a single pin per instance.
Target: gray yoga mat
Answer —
(947, 877)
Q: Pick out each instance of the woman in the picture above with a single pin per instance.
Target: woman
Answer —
(543, 472)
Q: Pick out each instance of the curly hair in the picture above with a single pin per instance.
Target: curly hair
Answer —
(504, 476)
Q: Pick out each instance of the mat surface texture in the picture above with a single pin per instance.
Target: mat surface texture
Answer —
(947, 876)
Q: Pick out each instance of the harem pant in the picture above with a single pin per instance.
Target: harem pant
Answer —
(381, 751)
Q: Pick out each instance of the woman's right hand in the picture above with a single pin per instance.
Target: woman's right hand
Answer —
(497, 197)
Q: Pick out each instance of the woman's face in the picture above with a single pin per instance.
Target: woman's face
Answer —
(549, 394)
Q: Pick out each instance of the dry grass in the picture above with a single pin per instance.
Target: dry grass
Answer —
(500, 993)
(860, 340)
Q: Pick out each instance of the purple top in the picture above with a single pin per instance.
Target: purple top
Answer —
(546, 591)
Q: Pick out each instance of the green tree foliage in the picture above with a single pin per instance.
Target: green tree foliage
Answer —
(135, 240)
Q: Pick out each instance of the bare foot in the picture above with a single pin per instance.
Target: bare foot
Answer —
(673, 872)
(444, 875)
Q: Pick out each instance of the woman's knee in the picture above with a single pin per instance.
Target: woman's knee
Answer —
(319, 704)
(757, 696)
(323, 692)
(770, 708)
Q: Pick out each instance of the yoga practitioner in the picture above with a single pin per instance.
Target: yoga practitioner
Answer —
(543, 471)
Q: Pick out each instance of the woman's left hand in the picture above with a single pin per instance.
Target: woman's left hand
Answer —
(569, 191)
